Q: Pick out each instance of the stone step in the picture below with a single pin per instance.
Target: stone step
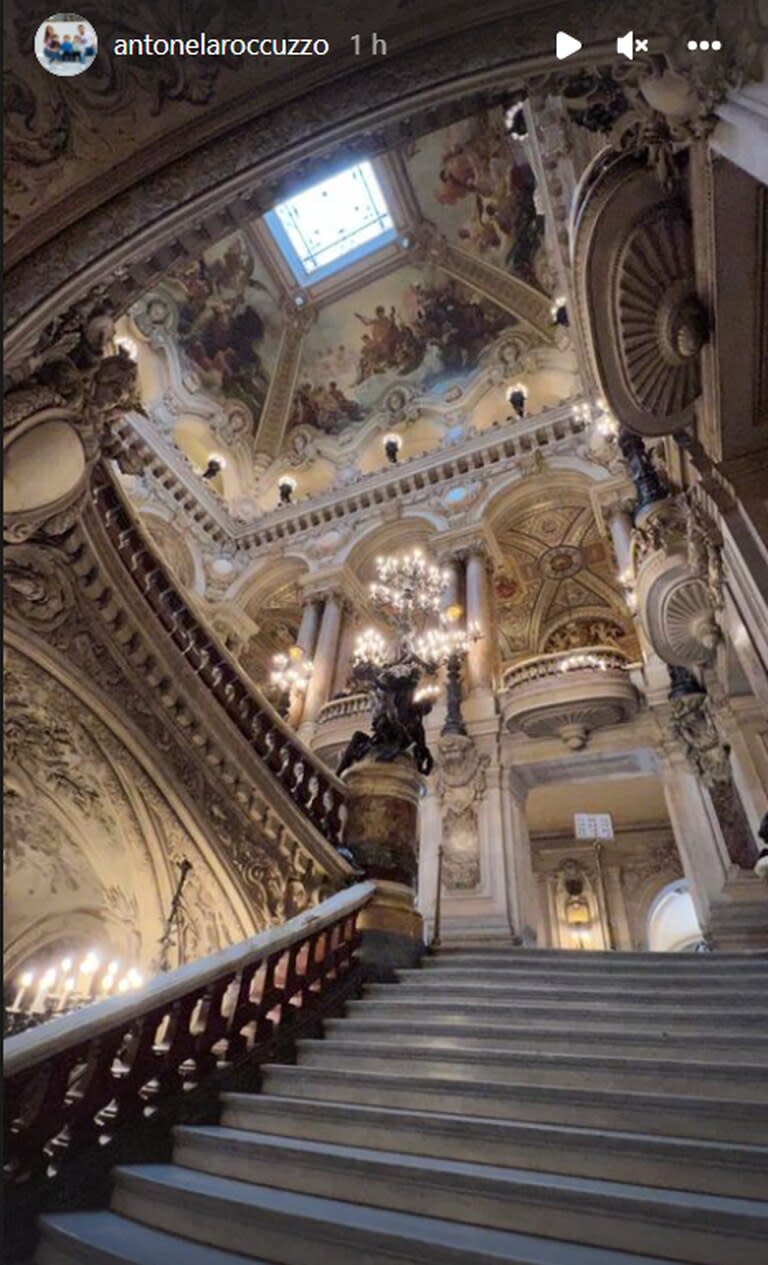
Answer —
(701, 1229)
(429, 984)
(748, 975)
(102, 1238)
(600, 957)
(719, 1047)
(399, 1003)
(577, 1071)
(290, 1228)
(667, 1115)
(672, 1163)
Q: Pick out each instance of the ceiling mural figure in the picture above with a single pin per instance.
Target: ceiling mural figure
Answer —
(228, 322)
(405, 326)
(484, 196)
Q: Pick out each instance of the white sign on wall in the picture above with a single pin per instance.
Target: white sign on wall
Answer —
(593, 825)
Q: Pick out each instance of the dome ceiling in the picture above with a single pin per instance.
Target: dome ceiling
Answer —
(239, 360)
(557, 587)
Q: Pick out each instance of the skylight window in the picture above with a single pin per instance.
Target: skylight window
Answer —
(332, 224)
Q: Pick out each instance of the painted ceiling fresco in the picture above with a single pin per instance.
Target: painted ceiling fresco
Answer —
(472, 184)
(408, 327)
(228, 321)
(475, 184)
(557, 589)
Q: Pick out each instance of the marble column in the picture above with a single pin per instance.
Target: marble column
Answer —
(620, 527)
(524, 891)
(699, 839)
(324, 662)
(346, 650)
(480, 656)
(310, 626)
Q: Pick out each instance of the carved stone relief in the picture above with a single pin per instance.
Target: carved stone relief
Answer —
(461, 787)
(88, 834)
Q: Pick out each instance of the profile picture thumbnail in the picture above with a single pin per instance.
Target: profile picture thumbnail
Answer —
(66, 44)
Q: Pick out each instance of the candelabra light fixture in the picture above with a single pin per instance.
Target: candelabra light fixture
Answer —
(408, 590)
(515, 122)
(215, 466)
(559, 311)
(517, 397)
(370, 647)
(57, 989)
(291, 674)
(448, 644)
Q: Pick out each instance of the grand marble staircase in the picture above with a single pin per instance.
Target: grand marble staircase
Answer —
(497, 1105)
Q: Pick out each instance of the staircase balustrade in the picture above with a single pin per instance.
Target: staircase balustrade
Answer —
(313, 788)
(74, 1082)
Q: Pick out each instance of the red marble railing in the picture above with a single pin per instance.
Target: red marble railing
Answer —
(311, 786)
(73, 1082)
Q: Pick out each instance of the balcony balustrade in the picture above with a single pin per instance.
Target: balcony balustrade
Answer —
(569, 694)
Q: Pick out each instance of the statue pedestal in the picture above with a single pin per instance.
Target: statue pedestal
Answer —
(382, 832)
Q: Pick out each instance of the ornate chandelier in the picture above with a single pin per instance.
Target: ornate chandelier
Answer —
(408, 589)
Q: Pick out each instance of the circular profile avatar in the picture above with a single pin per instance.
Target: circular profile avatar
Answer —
(66, 44)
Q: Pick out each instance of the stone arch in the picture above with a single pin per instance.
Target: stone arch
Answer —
(398, 536)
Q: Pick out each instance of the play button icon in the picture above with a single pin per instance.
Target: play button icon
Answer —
(566, 45)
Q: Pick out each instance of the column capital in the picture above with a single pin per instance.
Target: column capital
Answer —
(338, 584)
(460, 544)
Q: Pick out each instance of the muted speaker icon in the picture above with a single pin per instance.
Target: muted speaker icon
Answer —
(625, 44)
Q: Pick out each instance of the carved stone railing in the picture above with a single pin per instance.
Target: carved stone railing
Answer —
(592, 658)
(312, 787)
(569, 694)
(75, 1082)
(498, 449)
(341, 708)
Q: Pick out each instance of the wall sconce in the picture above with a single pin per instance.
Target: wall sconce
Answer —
(286, 488)
(517, 397)
(392, 446)
(127, 346)
(215, 466)
(559, 311)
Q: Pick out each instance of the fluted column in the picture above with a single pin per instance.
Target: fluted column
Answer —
(324, 662)
(480, 656)
(306, 637)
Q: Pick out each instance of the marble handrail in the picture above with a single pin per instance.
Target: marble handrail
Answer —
(73, 1081)
(312, 786)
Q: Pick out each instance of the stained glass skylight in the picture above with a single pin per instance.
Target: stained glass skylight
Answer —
(333, 223)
